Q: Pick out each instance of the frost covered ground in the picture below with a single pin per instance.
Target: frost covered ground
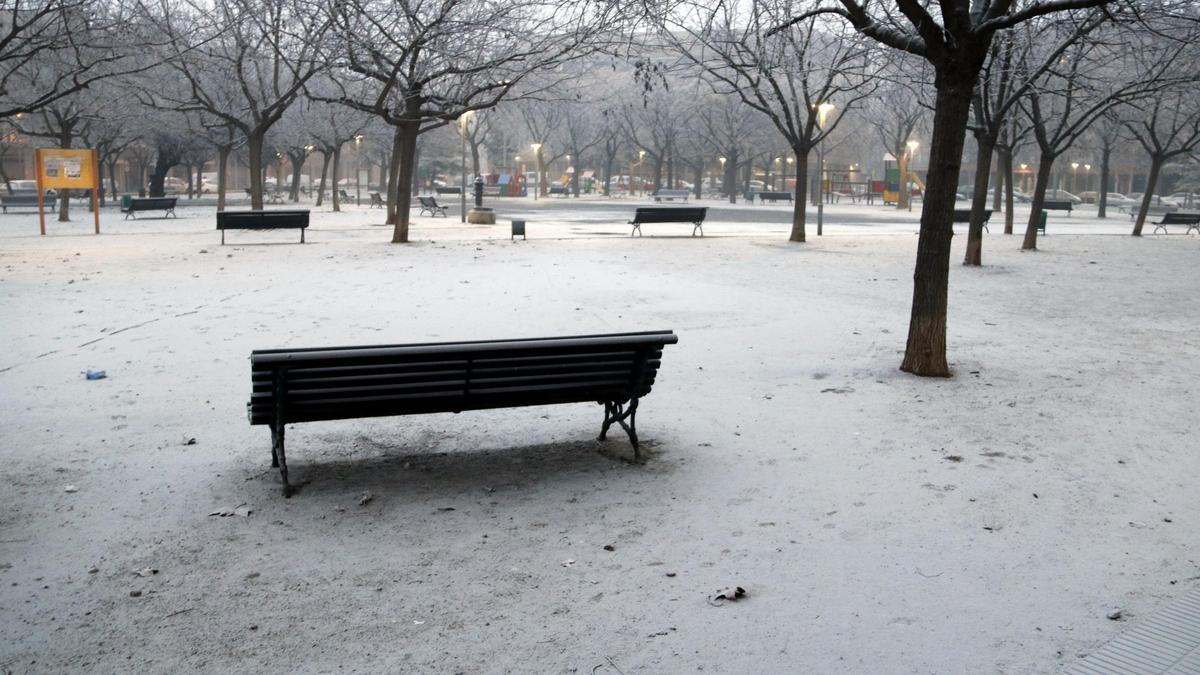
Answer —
(879, 522)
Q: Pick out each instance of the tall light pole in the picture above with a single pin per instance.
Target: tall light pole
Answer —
(1087, 178)
(912, 153)
(823, 111)
(722, 161)
(1074, 179)
(778, 169)
(357, 171)
(537, 155)
(641, 159)
(571, 180)
(462, 128)
(790, 161)
(517, 166)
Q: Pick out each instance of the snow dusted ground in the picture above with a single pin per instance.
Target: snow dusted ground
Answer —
(879, 522)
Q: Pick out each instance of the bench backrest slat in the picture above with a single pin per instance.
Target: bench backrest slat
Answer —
(264, 220)
(670, 214)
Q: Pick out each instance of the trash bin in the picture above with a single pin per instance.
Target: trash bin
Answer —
(1042, 222)
(518, 227)
(126, 201)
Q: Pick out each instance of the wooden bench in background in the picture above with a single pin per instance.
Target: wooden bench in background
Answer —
(774, 197)
(431, 205)
(165, 204)
(964, 216)
(1058, 205)
(669, 214)
(333, 383)
(27, 200)
(261, 220)
(665, 193)
(1192, 220)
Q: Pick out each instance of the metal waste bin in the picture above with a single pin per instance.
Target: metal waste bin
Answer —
(518, 227)
(1042, 222)
(126, 201)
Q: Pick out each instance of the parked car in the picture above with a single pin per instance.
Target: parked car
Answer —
(1116, 200)
(1156, 201)
(1063, 196)
(1186, 199)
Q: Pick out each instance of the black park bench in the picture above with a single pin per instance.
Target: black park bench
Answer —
(431, 205)
(964, 216)
(261, 220)
(376, 200)
(669, 214)
(26, 200)
(1192, 220)
(1058, 205)
(333, 383)
(166, 204)
(667, 193)
(773, 197)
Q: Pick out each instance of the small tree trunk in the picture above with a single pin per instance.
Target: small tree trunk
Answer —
(222, 174)
(729, 180)
(902, 193)
(254, 146)
(925, 352)
(336, 195)
(324, 170)
(1105, 157)
(1006, 156)
(393, 182)
(407, 135)
(985, 145)
(698, 179)
(1045, 167)
(999, 173)
(800, 204)
(112, 179)
(1156, 163)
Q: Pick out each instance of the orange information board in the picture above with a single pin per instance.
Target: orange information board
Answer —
(69, 168)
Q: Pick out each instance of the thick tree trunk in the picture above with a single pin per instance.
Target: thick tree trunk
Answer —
(1045, 167)
(925, 352)
(902, 192)
(999, 173)
(393, 182)
(1156, 164)
(254, 147)
(112, 179)
(698, 180)
(1105, 157)
(800, 204)
(336, 195)
(297, 160)
(162, 164)
(1007, 172)
(192, 187)
(985, 145)
(324, 171)
(606, 176)
(729, 180)
(222, 174)
(408, 153)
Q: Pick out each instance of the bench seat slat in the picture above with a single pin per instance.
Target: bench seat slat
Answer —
(532, 347)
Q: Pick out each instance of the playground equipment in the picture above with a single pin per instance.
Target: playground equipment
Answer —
(892, 181)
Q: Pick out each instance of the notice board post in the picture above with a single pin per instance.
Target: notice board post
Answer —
(68, 168)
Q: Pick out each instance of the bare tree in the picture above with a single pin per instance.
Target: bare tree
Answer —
(897, 112)
(422, 66)
(955, 39)
(803, 79)
(1168, 126)
(242, 61)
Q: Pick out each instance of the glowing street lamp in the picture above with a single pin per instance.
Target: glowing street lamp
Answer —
(823, 110)
(537, 153)
(357, 171)
(463, 120)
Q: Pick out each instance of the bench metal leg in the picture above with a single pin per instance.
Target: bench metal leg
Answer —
(302, 235)
(698, 226)
(278, 458)
(637, 229)
(616, 412)
(222, 237)
(1159, 227)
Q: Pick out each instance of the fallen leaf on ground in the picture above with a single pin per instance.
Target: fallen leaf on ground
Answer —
(146, 572)
(733, 593)
(71, 488)
(568, 563)
(365, 498)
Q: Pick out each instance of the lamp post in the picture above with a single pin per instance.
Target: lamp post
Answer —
(357, 171)
(1074, 180)
(641, 183)
(462, 128)
(1024, 178)
(518, 166)
(537, 155)
(722, 161)
(571, 180)
(912, 153)
(823, 111)
(1087, 177)
(786, 172)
